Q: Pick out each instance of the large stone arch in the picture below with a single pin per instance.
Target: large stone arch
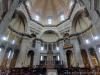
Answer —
(74, 20)
(23, 18)
(54, 30)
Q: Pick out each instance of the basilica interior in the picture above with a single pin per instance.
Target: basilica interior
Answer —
(49, 37)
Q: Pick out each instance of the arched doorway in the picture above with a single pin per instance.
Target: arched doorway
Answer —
(31, 55)
(69, 56)
(85, 58)
(14, 58)
(93, 56)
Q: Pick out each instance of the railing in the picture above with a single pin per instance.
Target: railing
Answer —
(50, 62)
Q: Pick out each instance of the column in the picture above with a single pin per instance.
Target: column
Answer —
(62, 53)
(37, 53)
(79, 61)
(23, 60)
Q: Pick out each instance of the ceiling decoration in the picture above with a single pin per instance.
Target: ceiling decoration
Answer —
(42, 9)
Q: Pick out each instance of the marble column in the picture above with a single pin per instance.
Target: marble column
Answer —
(79, 61)
(23, 60)
(62, 53)
(37, 53)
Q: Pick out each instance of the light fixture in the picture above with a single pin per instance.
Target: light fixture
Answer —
(87, 41)
(57, 48)
(4, 38)
(95, 38)
(42, 48)
(13, 42)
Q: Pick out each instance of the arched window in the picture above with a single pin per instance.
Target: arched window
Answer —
(49, 20)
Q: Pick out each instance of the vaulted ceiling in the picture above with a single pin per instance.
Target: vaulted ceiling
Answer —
(52, 8)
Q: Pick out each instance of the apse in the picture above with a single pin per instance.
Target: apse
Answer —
(50, 36)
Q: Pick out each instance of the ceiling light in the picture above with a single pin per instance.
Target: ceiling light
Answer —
(87, 41)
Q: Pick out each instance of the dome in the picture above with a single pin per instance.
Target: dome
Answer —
(49, 12)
